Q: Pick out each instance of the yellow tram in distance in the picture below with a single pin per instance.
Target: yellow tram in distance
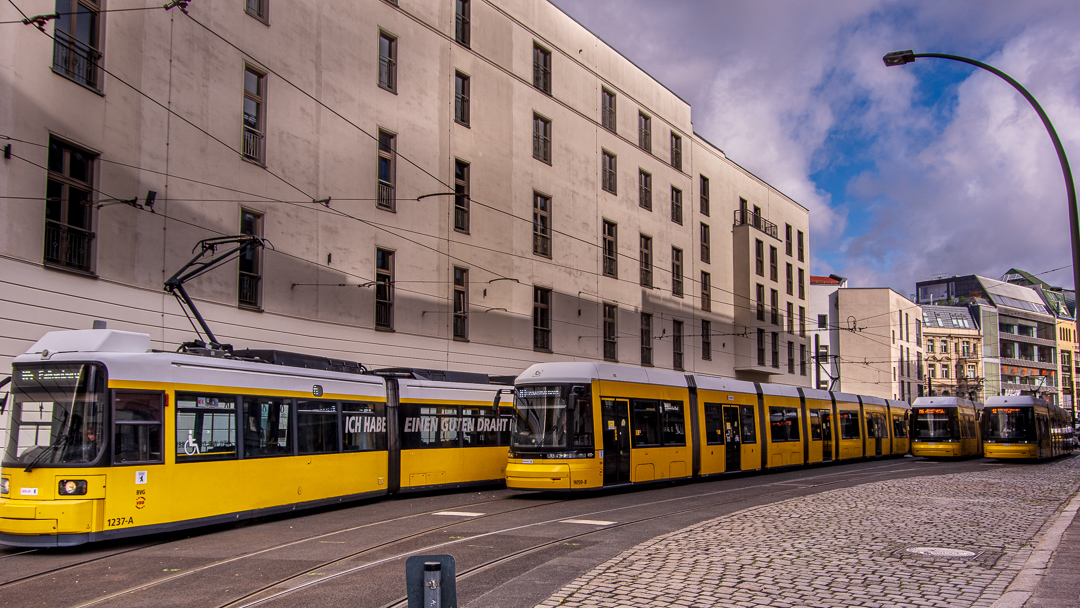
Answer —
(586, 425)
(110, 439)
(1025, 428)
(945, 427)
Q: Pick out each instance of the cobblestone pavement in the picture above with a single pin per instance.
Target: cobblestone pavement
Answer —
(847, 547)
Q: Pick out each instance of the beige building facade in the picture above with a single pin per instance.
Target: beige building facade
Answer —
(452, 185)
(952, 343)
(879, 343)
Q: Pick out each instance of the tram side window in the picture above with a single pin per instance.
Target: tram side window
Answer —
(205, 427)
(266, 427)
(899, 427)
(429, 426)
(849, 425)
(815, 426)
(479, 427)
(746, 416)
(646, 423)
(784, 424)
(582, 422)
(316, 426)
(137, 431)
(364, 426)
(714, 424)
(674, 423)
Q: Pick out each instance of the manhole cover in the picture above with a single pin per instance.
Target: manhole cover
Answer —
(940, 552)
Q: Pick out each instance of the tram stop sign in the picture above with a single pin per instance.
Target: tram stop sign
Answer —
(430, 581)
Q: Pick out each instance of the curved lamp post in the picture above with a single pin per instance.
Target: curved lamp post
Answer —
(902, 57)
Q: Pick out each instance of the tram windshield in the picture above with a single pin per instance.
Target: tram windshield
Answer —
(553, 417)
(57, 415)
(1009, 423)
(935, 424)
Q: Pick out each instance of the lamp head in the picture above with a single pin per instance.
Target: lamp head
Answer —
(899, 57)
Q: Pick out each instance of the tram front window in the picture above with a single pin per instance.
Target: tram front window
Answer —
(553, 417)
(1008, 424)
(57, 415)
(935, 424)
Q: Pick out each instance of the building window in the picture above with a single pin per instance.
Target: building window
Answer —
(461, 98)
(823, 321)
(384, 289)
(773, 270)
(461, 196)
(802, 321)
(704, 195)
(787, 239)
(802, 284)
(608, 172)
(944, 371)
(254, 115)
(706, 340)
(759, 257)
(802, 359)
(790, 318)
(677, 344)
(644, 137)
(676, 272)
(791, 357)
(644, 190)
(706, 255)
(388, 62)
(541, 139)
(931, 370)
(929, 345)
(676, 151)
(966, 349)
(760, 302)
(250, 280)
(776, 350)
(971, 372)
(461, 28)
(541, 319)
(69, 210)
(790, 280)
(761, 346)
(801, 246)
(774, 304)
(611, 334)
(461, 303)
(676, 205)
(706, 291)
(607, 109)
(611, 249)
(387, 169)
(646, 338)
(76, 51)
(542, 68)
(260, 9)
(541, 225)
(944, 347)
(645, 257)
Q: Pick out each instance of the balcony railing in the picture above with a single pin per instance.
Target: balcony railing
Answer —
(384, 314)
(461, 325)
(249, 289)
(646, 276)
(461, 108)
(542, 78)
(611, 266)
(541, 338)
(542, 245)
(253, 144)
(541, 147)
(461, 31)
(610, 350)
(747, 217)
(461, 219)
(75, 59)
(386, 195)
(645, 197)
(646, 351)
(387, 73)
(677, 360)
(67, 245)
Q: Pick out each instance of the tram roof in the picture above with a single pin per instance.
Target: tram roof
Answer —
(587, 371)
(945, 401)
(91, 341)
(896, 403)
(816, 393)
(779, 390)
(1015, 400)
(872, 400)
(846, 397)
(713, 383)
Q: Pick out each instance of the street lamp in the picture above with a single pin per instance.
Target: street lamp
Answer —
(903, 57)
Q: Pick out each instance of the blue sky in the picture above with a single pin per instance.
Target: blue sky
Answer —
(930, 169)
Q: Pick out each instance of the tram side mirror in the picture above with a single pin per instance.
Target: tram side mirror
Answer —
(575, 392)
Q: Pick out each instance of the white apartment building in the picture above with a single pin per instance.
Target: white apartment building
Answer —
(879, 343)
(449, 184)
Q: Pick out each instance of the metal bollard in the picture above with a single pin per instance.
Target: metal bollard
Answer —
(429, 581)
(432, 572)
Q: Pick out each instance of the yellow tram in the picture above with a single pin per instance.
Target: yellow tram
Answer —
(1025, 428)
(111, 439)
(586, 425)
(945, 427)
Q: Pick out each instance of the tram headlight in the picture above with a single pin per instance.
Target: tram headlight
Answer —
(72, 487)
(5, 485)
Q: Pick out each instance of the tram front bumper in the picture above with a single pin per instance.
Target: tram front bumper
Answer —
(936, 449)
(538, 476)
(36, 517)
(1003, 450)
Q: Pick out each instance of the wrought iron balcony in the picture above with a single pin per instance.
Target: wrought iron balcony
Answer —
(748, 217)
(75, 59)
(67, 245)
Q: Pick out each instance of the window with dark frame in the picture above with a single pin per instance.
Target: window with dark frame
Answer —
(388, 62)
(645, 259)
(259, 9)
(607, 109)
(706, 291)
(802, 321)
(611, 333)
(461, 303)
(69, 209)
(760, 302)
(823, 322)
(773, 270)
(787, 239)
(790, 318)
(761, 346)
(676, 151)
(541, 225)
(249, 283)
(790, 280)
(461, 98)
(608, 172)
(776, 350)
(611, 249)
(138, 427)
(774, 300)
(677, 345)
(541, 139)
(759, 257)
(646, 339)
(542, 68)
(541, 319)
(706, 340)
(802, 359)
(254, 115)
(706, 246)
(644, 190)
(703, 200)
(461, 21)
(644, 132)
(790, 357)
(800, 235)
(676, 205)
(802, 284)
(387, 168)
(384, 289)
(76, 46)
(461, 196)
(676, 272)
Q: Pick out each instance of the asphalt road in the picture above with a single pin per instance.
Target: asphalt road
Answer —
(512, 549)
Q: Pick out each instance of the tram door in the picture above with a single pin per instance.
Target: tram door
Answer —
(732, 439)
(616, 441)
(826, 435)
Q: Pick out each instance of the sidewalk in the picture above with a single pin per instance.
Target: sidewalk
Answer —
(1004, 537)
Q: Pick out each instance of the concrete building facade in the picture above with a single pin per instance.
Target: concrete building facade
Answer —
(827, 325)
(880, 344)
(952, 342)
